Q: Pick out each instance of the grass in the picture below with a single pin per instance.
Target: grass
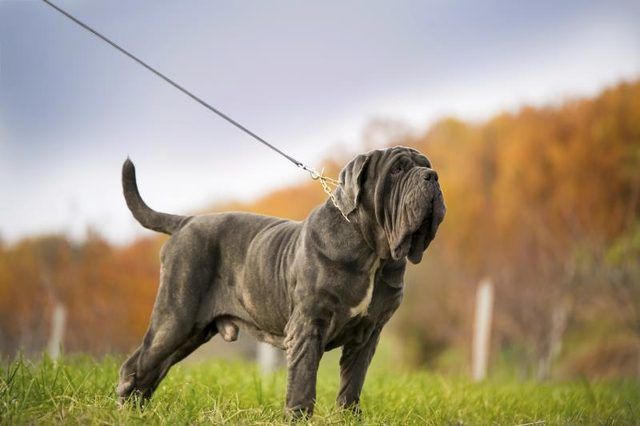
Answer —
(81, 391)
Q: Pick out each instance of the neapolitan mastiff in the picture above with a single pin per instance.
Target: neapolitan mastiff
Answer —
(306, 287)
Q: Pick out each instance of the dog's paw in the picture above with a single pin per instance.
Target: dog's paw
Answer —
(299, 413)
(125, 389)
(352, 407)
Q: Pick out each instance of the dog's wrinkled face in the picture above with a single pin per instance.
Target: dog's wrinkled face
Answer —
(395, 197)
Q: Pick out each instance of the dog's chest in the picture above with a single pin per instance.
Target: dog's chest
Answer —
(362, 307)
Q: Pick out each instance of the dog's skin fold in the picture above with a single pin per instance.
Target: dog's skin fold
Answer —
(305, 287)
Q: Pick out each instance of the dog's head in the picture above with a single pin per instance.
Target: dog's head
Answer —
(395, 198)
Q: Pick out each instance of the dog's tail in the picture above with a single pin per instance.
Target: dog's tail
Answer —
(151, 219)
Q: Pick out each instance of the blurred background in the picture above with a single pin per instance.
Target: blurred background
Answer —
(530, 112)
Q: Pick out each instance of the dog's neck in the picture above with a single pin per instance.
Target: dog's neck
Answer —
(367, 226)
(354, 237)
(337, 235)
(357, 245)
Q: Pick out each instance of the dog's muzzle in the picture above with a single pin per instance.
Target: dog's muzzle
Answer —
(427, 212)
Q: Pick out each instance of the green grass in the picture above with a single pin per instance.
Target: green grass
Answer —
(81, 391)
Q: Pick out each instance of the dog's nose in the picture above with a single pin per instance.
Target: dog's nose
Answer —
(431, 175)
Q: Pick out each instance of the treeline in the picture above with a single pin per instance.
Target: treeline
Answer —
(107, 292)
(545, 202)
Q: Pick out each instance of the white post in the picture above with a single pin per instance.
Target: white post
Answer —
(57, 330)
(482, 329)
(267, 358)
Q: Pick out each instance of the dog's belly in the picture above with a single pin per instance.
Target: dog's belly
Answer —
(276, 340)
(263, 312)
(266, 278)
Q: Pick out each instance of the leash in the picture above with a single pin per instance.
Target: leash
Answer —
(325, 181)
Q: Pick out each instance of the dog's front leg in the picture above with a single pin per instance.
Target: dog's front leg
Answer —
(354, 363)
(305, 346)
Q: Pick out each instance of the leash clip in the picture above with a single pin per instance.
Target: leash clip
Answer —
(325, 182)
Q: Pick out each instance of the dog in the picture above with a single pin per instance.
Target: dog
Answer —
(332, 280)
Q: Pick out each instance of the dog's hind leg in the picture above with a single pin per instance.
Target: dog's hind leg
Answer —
(193, 343)
(128, 375)
(140, 374)
(145, 384)
(174, 331)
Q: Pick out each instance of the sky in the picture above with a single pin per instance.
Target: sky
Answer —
(306, 76)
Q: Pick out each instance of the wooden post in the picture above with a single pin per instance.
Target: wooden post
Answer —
(56, 337)
(482, 329)
(267, 358)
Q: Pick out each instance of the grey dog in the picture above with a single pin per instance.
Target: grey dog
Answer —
(305, 287)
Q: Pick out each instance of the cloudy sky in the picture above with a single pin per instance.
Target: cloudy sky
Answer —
(307, 76)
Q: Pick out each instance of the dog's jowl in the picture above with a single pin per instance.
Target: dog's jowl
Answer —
(306, 287)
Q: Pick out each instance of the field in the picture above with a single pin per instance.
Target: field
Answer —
(81, 391)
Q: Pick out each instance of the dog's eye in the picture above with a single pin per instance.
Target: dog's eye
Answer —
(397, 169)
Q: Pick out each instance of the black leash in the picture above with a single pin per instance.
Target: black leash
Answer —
(314, 174)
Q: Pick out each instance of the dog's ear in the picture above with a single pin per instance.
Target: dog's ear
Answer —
(351, 179)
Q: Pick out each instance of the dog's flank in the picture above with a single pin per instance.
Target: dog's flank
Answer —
(149, 218)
